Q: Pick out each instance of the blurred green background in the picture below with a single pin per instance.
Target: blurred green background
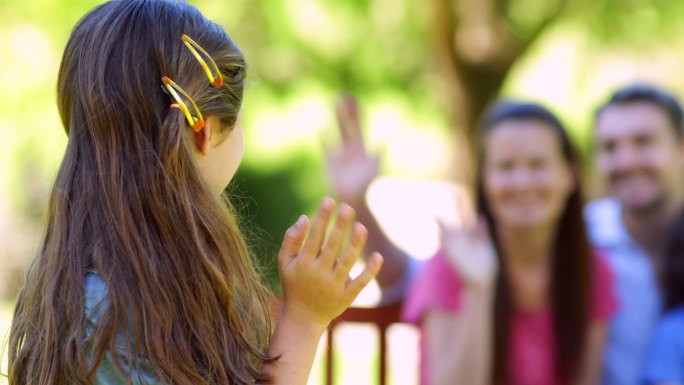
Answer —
(423, 71)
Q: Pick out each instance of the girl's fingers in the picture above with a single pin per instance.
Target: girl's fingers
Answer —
(292, 242)
(351, 254)
(314, 241)
(345, 216)
(373, 266)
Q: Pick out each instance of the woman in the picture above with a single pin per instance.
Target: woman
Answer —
(522, 303)
(525, 302)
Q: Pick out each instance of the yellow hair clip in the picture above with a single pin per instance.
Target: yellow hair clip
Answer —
(197, 123)
(217, 80)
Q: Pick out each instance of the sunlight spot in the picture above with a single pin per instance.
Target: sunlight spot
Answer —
(30, 60)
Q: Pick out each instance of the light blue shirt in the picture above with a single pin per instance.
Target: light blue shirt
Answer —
(665, 363)
(637, 291)
(96, 303)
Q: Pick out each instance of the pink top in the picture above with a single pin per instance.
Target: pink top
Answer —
(532, 349)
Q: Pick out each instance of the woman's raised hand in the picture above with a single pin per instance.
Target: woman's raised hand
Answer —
(469, 248)
(351, 169)
(314, 269)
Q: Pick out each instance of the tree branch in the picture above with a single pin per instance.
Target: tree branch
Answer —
(550, 18)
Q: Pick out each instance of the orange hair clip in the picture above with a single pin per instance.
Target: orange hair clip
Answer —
(197, 123)
(215, 81)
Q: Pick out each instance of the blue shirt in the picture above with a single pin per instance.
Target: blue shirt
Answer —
(665, 363)
(96, 302)
(637, 291)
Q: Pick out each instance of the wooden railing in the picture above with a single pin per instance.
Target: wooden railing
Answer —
(381, 316)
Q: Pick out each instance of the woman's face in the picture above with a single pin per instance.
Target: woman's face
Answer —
(526, 179)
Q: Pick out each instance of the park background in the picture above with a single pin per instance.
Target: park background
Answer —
(423, 71)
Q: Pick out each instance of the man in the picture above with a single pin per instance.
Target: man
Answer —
(639, 142)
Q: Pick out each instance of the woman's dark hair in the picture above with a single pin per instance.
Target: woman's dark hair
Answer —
(572, 260)
(672, 268)
(130, 204)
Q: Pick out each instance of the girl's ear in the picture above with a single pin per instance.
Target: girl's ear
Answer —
(203, 138)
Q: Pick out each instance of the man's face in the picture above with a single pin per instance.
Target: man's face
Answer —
(639, 154)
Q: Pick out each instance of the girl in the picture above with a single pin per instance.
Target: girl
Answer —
(143, 275)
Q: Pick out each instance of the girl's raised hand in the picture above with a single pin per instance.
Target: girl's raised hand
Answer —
(314, 270)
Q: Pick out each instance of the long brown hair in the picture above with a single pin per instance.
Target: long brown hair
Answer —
(129, 204)
(571, 264)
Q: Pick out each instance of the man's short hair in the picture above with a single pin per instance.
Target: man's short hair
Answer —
(649, 94)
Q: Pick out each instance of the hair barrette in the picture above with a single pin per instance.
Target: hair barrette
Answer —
(215, 81)
(197, 123)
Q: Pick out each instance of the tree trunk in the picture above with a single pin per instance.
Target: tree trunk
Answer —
(475, 49)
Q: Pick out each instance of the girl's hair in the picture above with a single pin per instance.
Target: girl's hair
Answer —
(571, 264)
(672, 268)
(130, 204)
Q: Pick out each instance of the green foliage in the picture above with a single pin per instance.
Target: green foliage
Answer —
(356, 46)
(525, 15)
(269, 201)
(367, 47)
(631, 23)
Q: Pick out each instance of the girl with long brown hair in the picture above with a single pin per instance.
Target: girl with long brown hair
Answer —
(143, 275)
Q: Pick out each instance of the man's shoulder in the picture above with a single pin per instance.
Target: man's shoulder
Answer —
(602, 210)
(672, 322)
(604, 222)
